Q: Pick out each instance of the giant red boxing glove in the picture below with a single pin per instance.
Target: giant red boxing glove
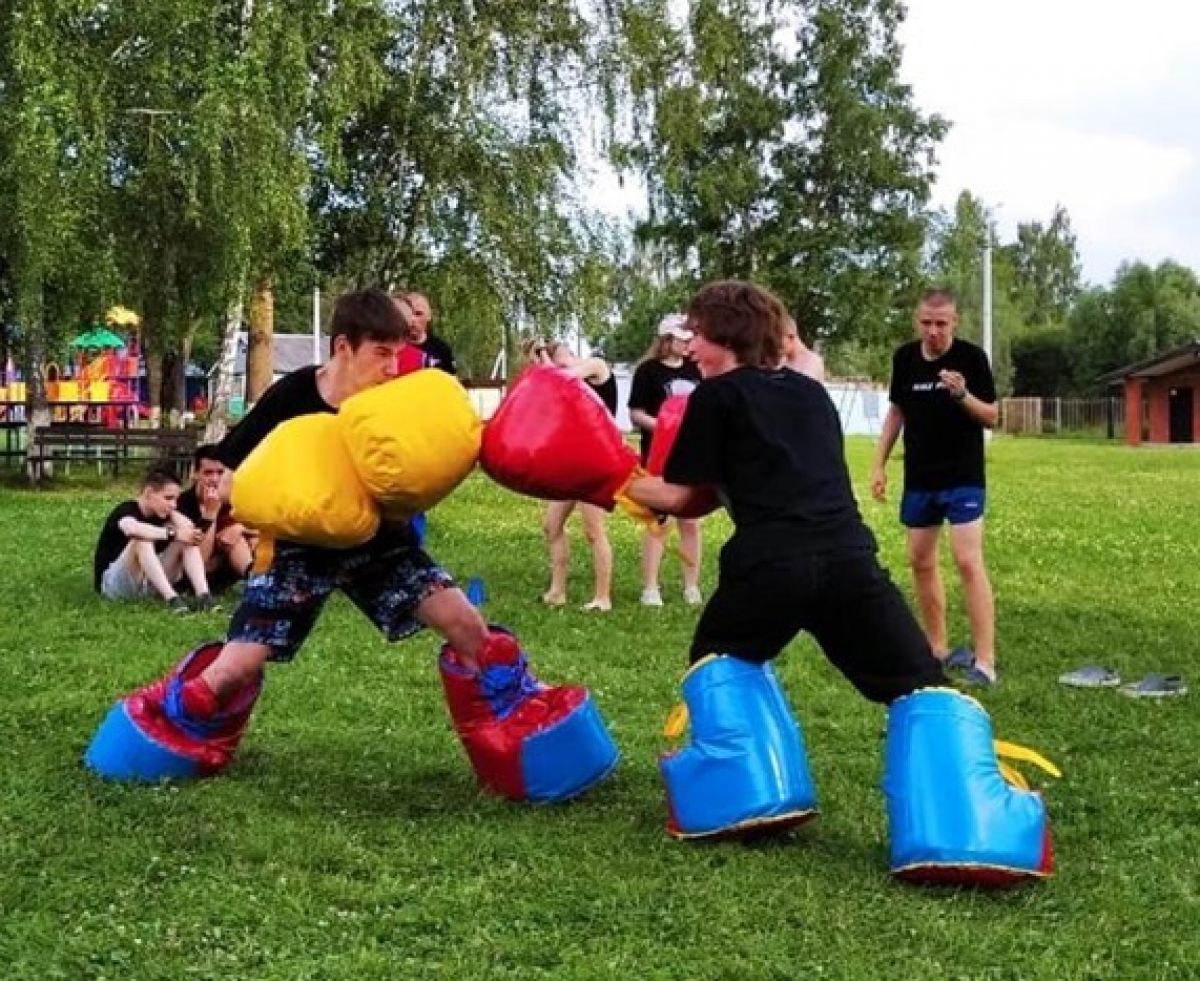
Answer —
(701, 500)
(553, 438)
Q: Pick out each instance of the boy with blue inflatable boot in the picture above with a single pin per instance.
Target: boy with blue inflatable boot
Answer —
(329, 466)
(769, 441)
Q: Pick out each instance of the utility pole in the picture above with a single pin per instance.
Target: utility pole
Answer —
(316, 326)
(987, 297)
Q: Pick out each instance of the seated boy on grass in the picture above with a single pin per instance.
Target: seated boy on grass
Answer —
(146, 546)
(227, 546)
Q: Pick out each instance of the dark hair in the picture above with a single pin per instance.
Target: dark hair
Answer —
(368, 314)
(743, 317)
(939, 296)
(159, 476)
(206, 451)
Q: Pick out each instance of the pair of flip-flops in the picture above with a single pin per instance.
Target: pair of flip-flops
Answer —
(1154, 685)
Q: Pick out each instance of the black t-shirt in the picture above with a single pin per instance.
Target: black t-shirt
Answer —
(189, 507)
(113, 540)
(771, 443)
(293, 395)
(607, 390)
(653, 383)
(943, 445)
(438, 354)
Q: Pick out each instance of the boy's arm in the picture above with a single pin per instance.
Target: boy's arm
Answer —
(146, 532)
(656, 494)
(893, 422)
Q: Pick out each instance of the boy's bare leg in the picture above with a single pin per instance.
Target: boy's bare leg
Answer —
(602, 557)
(689, 552)
(450, 613)
(238, 664)
(927, 582)
(554, 526)
(148, 562)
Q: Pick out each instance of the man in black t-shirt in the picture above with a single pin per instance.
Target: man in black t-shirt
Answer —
(800, 557)
(437, 352)
(145, 547)
(942, 398)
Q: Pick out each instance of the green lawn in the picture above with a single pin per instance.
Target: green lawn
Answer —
(349, 841)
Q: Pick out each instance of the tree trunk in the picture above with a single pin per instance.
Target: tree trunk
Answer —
(173, 396)
(218, 410)
(37, 409)
(260, 351)
(154, 384)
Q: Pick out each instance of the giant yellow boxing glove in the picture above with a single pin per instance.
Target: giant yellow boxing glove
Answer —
(300, 485)
(412, 440)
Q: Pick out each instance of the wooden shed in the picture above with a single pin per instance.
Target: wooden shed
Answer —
(1161, 404)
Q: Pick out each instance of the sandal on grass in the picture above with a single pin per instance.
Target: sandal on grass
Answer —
(1155, 686)
(1090, 676)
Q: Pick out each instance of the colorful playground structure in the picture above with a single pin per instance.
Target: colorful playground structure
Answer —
(99, 386)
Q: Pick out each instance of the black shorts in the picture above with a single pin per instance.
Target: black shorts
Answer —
(845, 599)
(387, 578)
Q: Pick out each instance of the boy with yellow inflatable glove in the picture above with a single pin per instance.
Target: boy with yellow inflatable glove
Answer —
(328, 466)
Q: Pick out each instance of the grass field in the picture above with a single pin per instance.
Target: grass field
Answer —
(349, 840)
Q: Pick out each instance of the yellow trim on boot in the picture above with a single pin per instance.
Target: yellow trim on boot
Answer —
(1013, 751)
(678, 718)
(677, 721)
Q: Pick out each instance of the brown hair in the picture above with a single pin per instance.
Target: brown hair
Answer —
(369, 314)
(160, 476)
(740, 316)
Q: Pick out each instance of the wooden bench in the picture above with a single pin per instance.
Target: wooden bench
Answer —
(113, 448)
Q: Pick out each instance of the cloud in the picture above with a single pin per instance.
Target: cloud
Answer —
(1087, 104)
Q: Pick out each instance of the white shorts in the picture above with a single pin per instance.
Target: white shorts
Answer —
(124, 580)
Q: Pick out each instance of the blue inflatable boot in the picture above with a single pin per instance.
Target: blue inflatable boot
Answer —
(957, 814)
(745, 769)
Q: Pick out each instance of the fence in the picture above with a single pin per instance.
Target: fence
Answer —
(1102, 418)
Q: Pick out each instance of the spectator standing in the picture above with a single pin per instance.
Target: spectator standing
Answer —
(942, 397)
(664, 371)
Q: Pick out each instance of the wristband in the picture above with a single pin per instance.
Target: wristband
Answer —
(959, 396)
(170, 530)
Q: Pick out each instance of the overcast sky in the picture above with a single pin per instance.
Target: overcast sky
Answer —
(1094, 104)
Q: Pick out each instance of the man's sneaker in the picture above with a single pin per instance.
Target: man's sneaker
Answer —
(178, 606)
(206, 603)
(960, 659)
(651, 597)
(692, 596)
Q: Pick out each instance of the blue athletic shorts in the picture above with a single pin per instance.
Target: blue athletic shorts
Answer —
(927, 509)
(387, 578)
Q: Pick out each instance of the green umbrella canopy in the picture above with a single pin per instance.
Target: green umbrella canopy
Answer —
(98, 337)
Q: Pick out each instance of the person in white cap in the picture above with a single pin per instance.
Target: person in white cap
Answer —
(664, 371)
